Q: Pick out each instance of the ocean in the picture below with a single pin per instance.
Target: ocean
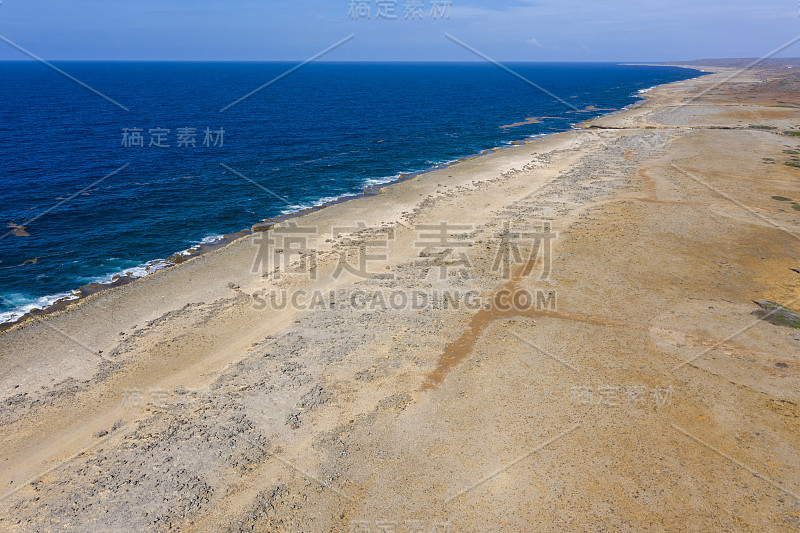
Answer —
(127, 163)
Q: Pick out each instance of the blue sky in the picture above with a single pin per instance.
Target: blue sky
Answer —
(508, 30)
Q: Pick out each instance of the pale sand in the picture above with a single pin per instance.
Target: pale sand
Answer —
(334, 419)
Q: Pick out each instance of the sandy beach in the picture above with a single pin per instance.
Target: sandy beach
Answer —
(561, 335)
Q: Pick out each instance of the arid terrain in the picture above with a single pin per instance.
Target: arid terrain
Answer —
(561, 335)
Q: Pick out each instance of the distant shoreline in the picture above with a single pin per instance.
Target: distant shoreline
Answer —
(200, 249)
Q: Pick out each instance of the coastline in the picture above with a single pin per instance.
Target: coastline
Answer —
(63, 301)
(651, 392)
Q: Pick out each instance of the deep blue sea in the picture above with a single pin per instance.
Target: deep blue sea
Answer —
(326, 130)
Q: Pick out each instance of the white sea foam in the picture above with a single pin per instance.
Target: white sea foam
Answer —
(138, 271)
(372, 182)
(294, 208)
(38, 303)
(211, 239)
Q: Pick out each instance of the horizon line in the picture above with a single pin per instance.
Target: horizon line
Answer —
(628, 61)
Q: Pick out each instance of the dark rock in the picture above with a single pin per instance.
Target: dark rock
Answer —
(777, 314)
